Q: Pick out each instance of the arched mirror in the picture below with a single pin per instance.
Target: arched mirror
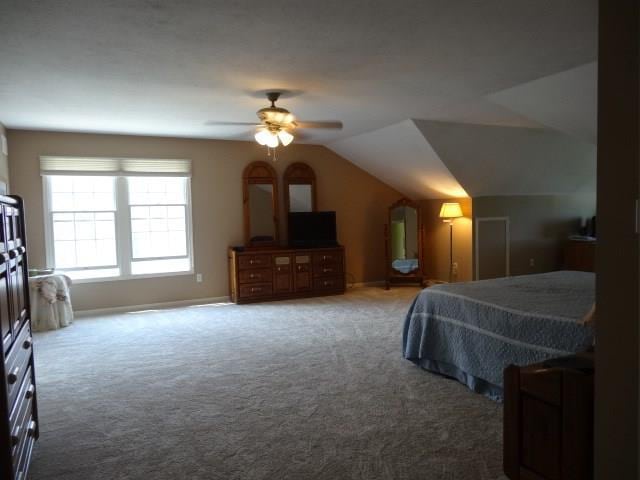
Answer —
(299, 188)
(260, 202)
(403, 238)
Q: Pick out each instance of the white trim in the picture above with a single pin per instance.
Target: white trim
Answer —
(130, 276)
(150, 306)
(507, 252)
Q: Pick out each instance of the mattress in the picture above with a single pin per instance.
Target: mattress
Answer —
(472, 331)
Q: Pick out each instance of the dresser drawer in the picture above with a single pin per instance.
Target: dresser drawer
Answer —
(328, 257)
(18, 362)
(329, 283)
(327, 270)
(256, 290)
(22, 427)
(255, 275)
(254, 261)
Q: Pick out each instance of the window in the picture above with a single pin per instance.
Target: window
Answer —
(114, 222)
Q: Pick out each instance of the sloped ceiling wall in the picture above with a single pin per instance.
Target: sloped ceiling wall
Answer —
(426, 159)
(554, 154)
(492, 160)
(400, 156)
(565, 101)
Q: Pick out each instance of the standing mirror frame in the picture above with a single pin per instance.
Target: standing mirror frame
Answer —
(297, 198)
(404, 268)
(261, 220)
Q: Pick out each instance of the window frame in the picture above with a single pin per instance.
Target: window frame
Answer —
(123, 231)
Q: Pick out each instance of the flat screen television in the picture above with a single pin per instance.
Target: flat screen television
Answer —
(312, 229)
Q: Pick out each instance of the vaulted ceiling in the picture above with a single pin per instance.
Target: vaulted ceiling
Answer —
(168, 67)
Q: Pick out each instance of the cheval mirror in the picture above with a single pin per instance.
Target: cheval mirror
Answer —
(404, 244)
(260, 203)
(299, 188)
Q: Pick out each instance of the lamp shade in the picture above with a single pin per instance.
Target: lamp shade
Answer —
(450, 210)
(262, 136)
(285, 137)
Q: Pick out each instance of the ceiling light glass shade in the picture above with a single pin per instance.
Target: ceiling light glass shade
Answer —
(450, 210)
(285, 137)
(272, 141)
(262, 136)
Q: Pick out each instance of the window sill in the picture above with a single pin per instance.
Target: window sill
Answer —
(128, 277)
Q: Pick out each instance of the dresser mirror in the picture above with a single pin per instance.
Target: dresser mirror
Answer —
(260, 203)
(403, 238)
(299, 188)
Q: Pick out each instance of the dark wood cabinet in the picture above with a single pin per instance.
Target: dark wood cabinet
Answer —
(257, 275)
(548, 420)
(580, 255)
(18, 404)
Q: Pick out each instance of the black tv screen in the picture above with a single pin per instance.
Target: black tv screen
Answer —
(312, 229)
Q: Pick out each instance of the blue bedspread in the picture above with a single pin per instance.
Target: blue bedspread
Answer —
(472, 331)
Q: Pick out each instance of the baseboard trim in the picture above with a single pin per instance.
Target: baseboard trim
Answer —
(150, 306)
(374, 283)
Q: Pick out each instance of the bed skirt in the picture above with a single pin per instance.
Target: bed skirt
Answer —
(476, 384)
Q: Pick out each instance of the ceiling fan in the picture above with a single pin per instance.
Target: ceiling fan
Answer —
(277, 124)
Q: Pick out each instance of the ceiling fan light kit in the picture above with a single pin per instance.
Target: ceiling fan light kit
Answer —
(277, 124)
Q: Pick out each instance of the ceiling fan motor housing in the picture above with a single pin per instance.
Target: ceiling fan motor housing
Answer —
(276, 117)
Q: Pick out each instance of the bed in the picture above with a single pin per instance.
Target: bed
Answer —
(472, 331)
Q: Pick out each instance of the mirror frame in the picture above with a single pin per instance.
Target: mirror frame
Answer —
(260, 173)
(393, 275)
(299, 173)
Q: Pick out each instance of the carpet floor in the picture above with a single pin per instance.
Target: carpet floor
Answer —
(301, 389)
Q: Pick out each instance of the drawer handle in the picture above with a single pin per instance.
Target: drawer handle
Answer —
(251, 275)
(30, 391)
(15, 437)
(13, 376)
(326, 284)
(299, 267)
(325, 257)
(256, 289)
(251, 262)
(327, 270)
(31, 431)
(27, 343)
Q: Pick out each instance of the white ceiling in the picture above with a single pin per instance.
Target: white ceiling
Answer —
(167, 67)
(565, 101)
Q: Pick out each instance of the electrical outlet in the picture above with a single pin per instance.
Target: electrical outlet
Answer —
(454, 268)
(199, 277)
(532, 262)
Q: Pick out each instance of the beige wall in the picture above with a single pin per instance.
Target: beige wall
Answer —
(538, 226)
(436, 241)
(4, 161)
(359, 199)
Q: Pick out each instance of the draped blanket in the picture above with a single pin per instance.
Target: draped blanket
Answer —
(472, 331)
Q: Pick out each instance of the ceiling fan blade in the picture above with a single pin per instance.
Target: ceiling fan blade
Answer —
(233, 124)
(331, 125)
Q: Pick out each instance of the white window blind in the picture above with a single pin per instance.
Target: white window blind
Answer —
(114, 166)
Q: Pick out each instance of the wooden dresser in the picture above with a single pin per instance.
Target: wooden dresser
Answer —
(18, 409)
(258, 275)
(580, 255)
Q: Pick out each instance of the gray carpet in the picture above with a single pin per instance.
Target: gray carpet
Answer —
(305, 389)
